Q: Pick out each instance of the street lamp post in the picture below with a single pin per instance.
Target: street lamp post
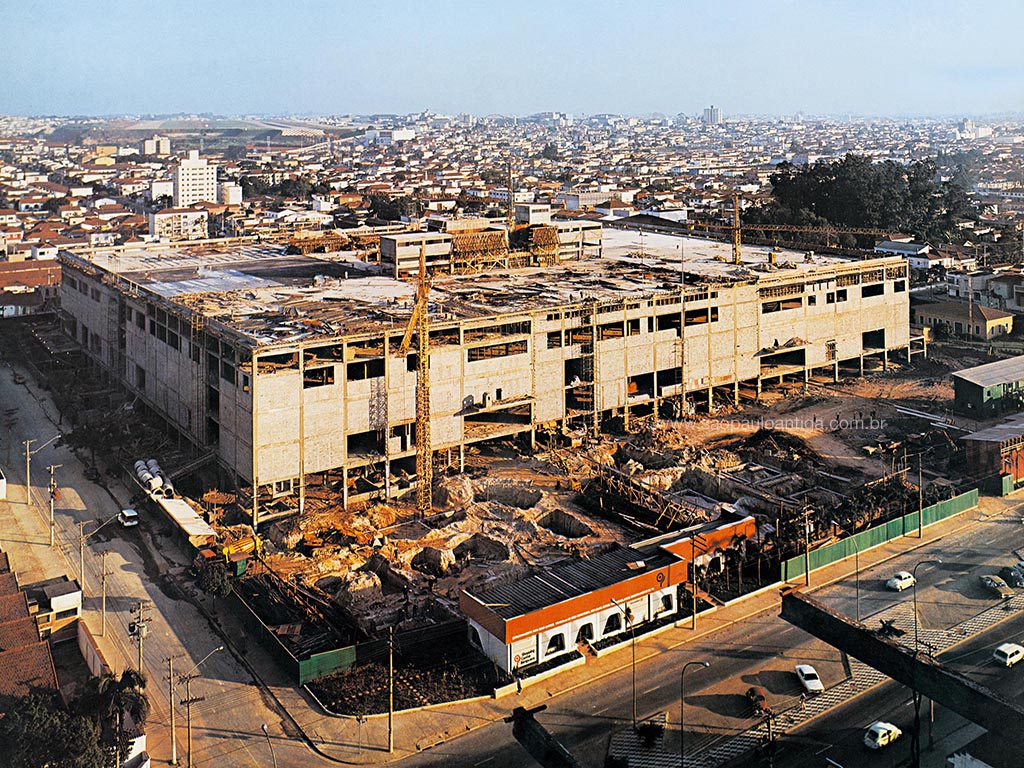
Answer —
(856, 562)
(632, 640)
(269, 743)
(82, 537)
(682, 710)
(28, 465)
(934, 561)
(187, 679)
(53, 496)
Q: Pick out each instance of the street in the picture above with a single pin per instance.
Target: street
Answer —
(142, 565)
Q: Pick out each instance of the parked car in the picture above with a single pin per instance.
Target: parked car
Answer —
(901, 580)
(996, 586)
(128, 517)
(809, 679)
(881, 734)
(758, 700)
(1008, 654)
(1012, 576)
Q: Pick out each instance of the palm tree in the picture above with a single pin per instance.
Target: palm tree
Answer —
(113, 700)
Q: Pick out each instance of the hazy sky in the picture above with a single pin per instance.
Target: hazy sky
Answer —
(875, 57)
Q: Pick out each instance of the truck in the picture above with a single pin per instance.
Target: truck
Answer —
(235, 555)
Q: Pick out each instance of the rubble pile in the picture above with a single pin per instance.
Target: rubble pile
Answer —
(384, 566)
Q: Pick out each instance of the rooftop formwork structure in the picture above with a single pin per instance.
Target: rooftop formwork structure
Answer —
(288, 366)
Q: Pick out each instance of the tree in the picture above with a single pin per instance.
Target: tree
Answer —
(550, 152)
(215, 580)
(394, 208)
(115, 700)
(53, 204)
(37, 733)
(858, 193)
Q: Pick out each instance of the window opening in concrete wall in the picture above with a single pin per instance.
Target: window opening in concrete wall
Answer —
(286, 361)
(366, 369)
(318, 377)
(669, 323)
(491, 351)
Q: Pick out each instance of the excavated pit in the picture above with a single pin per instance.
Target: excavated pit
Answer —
(433, 562)
(564, 524)
(481, 547)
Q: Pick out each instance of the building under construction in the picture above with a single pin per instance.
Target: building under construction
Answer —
(296, 370)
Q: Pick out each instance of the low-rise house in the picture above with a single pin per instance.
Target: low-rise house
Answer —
(965, 319)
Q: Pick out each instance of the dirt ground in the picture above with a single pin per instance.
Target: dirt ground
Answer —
(843, 423)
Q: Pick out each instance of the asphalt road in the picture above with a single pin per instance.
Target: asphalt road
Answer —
(763, 650)
(144, 564)
(226, 725)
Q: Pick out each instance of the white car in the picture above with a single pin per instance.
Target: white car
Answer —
(809, 679)
(1008, 654)
(900, 581)
(881, 734)
(128, 517)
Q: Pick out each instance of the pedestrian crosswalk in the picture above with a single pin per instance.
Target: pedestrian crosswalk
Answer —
(714, 753)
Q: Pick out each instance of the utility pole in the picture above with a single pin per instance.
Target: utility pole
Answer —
(28, 473)
(920, 498)
(103, 592)
(170, 696)
(139, 627)
(807, 550)
(81, 554)
(53, 496)
(391, 690)
(188, 701)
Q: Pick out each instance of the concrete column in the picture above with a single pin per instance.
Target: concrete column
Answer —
(885, 359)
(255, 446)
(861, 359)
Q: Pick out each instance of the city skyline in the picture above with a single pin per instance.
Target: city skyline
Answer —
(777, 58)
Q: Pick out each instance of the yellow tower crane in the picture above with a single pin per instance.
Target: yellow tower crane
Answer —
(419, 324)
(736, 238)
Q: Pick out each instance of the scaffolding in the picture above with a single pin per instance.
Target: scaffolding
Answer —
(479, 251)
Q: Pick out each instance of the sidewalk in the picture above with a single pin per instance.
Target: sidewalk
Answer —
(346, 740)
(364, 742)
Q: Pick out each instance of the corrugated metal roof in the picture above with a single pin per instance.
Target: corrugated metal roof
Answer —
(571, 579)
(991, 374)
(1008, 430)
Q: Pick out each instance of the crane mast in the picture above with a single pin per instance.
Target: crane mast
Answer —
(420, 325)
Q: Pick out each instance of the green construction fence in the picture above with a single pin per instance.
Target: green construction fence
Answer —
(793, 568)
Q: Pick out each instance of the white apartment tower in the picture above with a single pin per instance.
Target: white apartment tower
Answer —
(194, 181)
(158, 146)
(713, 115)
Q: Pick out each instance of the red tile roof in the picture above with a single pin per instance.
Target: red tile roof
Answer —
(9, 583)
(18, 632)
(27, 669)
(13, 606)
